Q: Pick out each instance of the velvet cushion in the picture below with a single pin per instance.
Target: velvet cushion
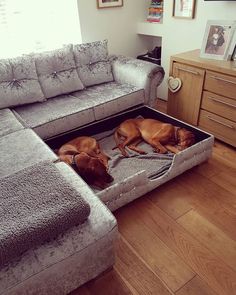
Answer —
(19, 82)
(92, 63)
(57, 72)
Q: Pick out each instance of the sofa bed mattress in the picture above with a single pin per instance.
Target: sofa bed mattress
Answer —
(144, 178)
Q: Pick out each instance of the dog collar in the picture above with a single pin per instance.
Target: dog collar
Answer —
(73, 163)
(176, 133)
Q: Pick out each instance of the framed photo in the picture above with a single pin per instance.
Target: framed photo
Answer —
(233, 56)
(217, 38)
(109, 3)
(184, 8)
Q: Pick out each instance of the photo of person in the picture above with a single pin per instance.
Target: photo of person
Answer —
(217, 39)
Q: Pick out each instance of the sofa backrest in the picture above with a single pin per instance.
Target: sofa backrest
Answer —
(19, 82)
(37, 77)
(57, 72)
(92, 63)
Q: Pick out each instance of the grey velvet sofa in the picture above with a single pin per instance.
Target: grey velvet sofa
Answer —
(42, 96)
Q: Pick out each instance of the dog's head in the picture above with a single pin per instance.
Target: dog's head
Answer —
(186, 138)
(92, 170)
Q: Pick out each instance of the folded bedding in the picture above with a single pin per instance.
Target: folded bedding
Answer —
(36, 205)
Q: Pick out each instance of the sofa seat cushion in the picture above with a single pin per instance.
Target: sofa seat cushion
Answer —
(92, 63)
(8, 122)
(56, 115)
(64, 113)
(110, 98)
(57, 72)
(36, 205)
(22, 149)
(71, 259)
(19, 82)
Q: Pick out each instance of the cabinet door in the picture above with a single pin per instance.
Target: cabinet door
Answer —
(185, 103)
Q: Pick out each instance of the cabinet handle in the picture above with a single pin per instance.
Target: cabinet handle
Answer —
(223, 80)
(223, 102)
(186, 70)
(217, 121)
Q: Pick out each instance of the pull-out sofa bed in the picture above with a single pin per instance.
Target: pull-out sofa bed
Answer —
(56, 232)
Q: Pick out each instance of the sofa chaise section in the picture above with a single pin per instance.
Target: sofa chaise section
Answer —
(8, 122)
(22, 149)
(73, 258)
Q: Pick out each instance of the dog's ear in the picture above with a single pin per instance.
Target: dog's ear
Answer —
(100, 184)
(66, 158)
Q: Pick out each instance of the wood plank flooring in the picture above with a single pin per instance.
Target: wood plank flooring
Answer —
(180, 238)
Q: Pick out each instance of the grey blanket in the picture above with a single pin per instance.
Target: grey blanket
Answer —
(36, 204)
(120, 167)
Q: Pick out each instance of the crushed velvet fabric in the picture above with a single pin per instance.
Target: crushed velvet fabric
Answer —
(65, 113)
(30, 221)
(92, 63)
(8, 122)
(19, 82)
(57, 72)
(110, 98)
(73, 258)
(22, 149)
(142, 74)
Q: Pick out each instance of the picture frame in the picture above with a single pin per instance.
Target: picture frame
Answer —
(217, 39)
(233, 56)
(109, 3)
(184, 9)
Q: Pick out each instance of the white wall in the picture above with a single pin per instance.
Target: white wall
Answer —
(118, 25)
(182, 35)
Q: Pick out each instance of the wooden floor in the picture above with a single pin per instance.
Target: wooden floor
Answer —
(179, 239)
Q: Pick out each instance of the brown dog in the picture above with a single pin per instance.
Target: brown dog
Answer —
(161, 136)
(90, 162)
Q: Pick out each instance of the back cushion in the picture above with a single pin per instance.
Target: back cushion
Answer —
(19, 82)
(57, 72)
(92, 63)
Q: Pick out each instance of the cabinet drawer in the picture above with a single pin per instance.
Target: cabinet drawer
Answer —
(220, 105)
(222, 128)
(220, 84)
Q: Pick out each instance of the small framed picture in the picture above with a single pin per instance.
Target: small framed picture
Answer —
(233, 56)
(184, 8)
(217, 39)
(109, 3)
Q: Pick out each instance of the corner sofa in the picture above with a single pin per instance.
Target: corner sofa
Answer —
(44, 95)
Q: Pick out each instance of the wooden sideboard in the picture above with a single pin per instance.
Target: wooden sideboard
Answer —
(207, 97)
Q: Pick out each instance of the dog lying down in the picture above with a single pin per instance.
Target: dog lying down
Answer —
(161, 136)
(85, 156)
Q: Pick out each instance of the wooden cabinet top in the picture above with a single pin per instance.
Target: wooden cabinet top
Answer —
(192, 58)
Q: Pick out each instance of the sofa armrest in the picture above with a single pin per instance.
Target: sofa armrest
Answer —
(139, 73)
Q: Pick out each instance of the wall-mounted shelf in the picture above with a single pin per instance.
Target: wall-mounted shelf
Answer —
(150, 29)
